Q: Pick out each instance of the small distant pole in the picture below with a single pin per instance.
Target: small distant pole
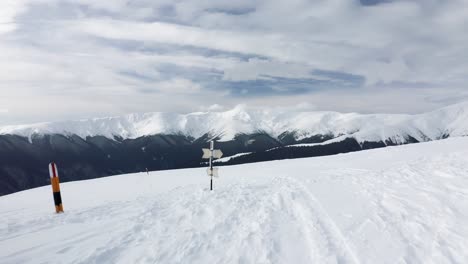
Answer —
(212, 154)
(147, 172)
(54, 180)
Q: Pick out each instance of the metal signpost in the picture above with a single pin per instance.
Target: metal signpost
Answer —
(212, 154)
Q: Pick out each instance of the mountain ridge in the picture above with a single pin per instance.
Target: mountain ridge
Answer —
(224, 126)
(101, 147)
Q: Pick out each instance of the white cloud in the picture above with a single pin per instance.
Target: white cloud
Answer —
(182, 86)
(9, 9)
(213, 108)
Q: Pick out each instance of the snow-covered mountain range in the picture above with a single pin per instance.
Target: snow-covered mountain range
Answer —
(158, 141)
(448, 121)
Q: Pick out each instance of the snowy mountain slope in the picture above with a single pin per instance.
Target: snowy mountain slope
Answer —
(448, 121)
(228, 158)
(404, 204)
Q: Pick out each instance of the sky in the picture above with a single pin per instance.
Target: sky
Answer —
(64, 59)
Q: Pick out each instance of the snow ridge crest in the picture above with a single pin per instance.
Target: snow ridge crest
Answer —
(444, 122)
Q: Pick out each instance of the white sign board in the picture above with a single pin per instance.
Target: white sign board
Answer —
(206, 153)
(212, 172)
(217, 153)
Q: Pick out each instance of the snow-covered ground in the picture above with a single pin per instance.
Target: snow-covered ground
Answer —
(226, 159)
(405, 204)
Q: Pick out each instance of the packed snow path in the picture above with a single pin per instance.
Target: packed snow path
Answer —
(406, 204)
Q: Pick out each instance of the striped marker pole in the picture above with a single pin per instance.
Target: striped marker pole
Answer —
(54, 180)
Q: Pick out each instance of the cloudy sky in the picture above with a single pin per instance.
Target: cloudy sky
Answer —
(69, 59)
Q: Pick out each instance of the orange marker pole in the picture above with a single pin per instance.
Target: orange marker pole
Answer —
(54, 180)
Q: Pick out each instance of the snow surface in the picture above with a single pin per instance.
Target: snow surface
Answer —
(228, 158)
(405, 204)
(452, 120)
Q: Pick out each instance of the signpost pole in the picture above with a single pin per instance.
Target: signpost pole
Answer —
(211, 164)
(211, 154)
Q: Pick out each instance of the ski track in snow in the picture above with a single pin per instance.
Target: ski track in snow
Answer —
(406, 204)
(192, 227)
